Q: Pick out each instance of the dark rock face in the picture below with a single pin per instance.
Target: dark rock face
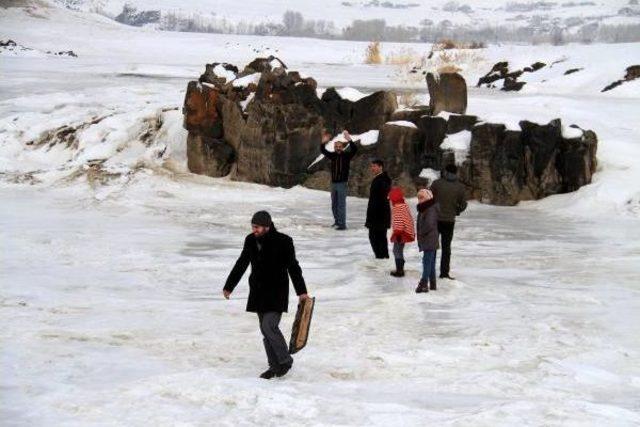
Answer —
(401, 148)
(209, 156)
(131, 16)
(372, 112)
(261, 65)
(500, 71)
(572, 70)
(276, 143)
(434, 130)
(633, 72)
(448, 92)
(505, 166)
(268, 131)
(275, 136)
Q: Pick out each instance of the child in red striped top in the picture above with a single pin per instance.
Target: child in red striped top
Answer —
(403, 230)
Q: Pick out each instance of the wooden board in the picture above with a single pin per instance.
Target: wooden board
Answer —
(301, 325)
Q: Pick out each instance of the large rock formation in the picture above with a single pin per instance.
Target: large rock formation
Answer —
(263, 124)
(447, 92)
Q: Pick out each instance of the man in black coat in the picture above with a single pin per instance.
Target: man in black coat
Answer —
(378, 210)
(273, 259)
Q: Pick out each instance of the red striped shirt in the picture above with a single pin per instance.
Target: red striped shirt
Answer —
(402, 222)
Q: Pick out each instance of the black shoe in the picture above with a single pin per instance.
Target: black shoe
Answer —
(283, 369)
(432, 286)
(446, 276)
(399, 268)
(341, 227)
(422, 287)
(268, 374)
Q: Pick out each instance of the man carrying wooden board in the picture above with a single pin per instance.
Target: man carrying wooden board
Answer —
(273, 260)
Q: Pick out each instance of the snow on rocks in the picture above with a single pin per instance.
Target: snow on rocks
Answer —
(247, 80)
(403, 123)
(221, 71)
(430, 175)
(351, 94)
(572, 132)
(459, 143)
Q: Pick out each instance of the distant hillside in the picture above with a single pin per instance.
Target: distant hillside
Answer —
(539, 21)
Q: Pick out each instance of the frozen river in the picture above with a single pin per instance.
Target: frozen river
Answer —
(112, 314)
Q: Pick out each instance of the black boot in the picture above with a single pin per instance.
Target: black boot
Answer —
(432, 284)
(268, 374)
(283, 369)
(423, 286)
(399, 268)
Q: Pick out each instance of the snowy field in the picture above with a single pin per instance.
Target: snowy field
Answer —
(111, 278)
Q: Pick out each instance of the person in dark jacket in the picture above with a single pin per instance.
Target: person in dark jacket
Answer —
(273, 259)
(427, 234)
(450, 195)
(340, 163)
(378, 210)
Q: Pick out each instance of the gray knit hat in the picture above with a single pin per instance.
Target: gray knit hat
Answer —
(262, 218)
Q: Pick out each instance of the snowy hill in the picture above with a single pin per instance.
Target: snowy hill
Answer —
(113, 255)
(397, 12)
(391, 20)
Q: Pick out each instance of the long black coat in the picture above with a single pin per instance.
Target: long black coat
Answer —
(378, 209)
(271, 267)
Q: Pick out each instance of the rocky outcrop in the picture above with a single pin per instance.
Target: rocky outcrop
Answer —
(503, 166)
(11, 47)
(263, 124)
(507, 166)
(633, 72)
(265, 127)
(510, 82)
(447, 92)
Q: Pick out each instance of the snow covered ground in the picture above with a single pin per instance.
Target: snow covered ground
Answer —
(113, 256)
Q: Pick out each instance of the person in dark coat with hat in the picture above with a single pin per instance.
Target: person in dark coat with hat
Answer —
(378, 210)
(273, 260)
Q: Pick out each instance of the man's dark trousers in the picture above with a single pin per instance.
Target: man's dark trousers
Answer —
(445, 228)
(378, 240)
(274, 343)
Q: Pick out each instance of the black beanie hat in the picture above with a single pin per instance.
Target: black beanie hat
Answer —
(262, 218)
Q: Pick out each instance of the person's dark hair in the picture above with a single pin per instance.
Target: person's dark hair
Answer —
(377, 162)
(451, 168)
(262, 218)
